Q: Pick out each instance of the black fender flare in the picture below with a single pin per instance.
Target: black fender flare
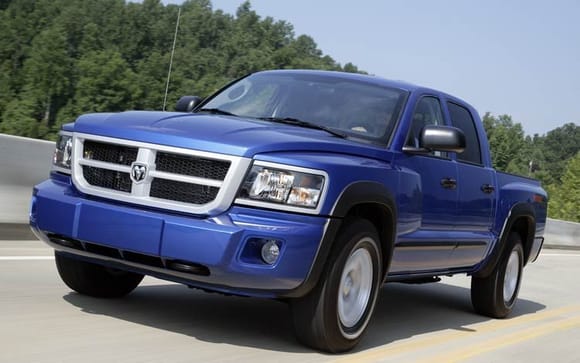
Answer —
(519, 210)
(358, 193)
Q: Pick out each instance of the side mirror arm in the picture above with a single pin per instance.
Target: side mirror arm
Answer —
(416, 150)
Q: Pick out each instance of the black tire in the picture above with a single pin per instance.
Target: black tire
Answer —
(95, 280)
(316, 316)
(487, 293)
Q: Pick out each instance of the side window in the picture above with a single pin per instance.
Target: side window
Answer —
(427, 112)
(462, 119)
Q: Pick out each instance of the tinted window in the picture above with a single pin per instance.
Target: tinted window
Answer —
(461, 118)
(427, 112)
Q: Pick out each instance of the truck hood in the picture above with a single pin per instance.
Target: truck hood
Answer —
(215, 133)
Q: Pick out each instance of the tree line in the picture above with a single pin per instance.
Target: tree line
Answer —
(62, 58)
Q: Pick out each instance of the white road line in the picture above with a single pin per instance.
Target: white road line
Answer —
(25, 258)
(559, 255)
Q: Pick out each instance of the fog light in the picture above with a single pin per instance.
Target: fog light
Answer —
(270, 252)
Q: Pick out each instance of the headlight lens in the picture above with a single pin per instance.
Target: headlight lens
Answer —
(61, 160)
(270, 184)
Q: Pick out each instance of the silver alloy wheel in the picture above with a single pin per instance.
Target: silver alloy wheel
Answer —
(511, 278)
(355, 287)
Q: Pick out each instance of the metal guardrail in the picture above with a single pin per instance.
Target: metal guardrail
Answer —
(25, 162)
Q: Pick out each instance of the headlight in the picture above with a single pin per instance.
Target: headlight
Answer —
(283, 185)
(63, 153)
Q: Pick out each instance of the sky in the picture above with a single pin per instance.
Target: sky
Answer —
(520, 58)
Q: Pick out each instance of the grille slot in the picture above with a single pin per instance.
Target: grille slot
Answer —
(192, 166)
(102, 250)
(130, 256)
(109, 179)
(182, 192)
(110, 153)
(143, 259)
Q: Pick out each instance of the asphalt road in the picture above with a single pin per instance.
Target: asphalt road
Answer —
(41, 320)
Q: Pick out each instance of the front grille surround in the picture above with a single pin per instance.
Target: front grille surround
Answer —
(177, 179)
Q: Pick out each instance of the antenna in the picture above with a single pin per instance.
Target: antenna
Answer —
(171, 59)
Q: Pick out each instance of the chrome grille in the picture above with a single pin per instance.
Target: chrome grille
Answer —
(155, 175)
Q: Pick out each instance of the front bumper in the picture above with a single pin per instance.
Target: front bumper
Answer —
(153, 241)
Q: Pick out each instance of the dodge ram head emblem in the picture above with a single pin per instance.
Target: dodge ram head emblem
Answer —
(138, 172)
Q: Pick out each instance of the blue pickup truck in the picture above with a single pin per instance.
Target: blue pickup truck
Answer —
(310, 187)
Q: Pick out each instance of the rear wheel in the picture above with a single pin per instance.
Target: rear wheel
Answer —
(334, 315)
(496, 294)
(95, 280)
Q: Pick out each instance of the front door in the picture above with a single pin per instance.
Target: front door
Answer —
(430, 246)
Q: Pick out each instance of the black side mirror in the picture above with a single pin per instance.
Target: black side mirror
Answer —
(439, 138)
(187, 103)
(443, 138)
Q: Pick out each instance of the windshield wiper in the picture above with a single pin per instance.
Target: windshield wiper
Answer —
(301, 123)
(216, 111)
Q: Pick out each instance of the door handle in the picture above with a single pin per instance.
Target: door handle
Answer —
(487, 188)
(449, 183)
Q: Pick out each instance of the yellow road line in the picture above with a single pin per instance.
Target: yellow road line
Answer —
(506, 340)
(416, 344)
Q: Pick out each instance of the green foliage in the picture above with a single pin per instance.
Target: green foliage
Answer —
(61, 58)
(565, 199)
(559, 146)
(507, 143)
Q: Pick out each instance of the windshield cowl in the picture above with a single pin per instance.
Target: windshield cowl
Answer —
(301, 123)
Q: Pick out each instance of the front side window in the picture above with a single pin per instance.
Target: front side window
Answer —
(427, 112)
(353, 107)
(462, 119)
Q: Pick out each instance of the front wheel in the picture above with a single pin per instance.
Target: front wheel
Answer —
(95, 280)
(495, 295)
(334, 315)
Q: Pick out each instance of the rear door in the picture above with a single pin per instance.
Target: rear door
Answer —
(476, 191)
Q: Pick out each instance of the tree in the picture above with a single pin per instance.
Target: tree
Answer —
(47, 73)
(19, 118)
(106, 83)
(509, 149)
(560, 145)
(565, 199)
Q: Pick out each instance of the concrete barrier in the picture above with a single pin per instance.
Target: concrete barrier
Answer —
(25, 162)
(562, 234)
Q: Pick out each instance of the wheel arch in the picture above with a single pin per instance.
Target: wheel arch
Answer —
(525, 226)
(369, 200)
(374, 202)
(522, 220)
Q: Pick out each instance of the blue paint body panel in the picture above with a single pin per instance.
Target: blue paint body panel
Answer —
(438, 231)
(215, 242)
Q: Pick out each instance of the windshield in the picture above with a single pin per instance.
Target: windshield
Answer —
(355, 108)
